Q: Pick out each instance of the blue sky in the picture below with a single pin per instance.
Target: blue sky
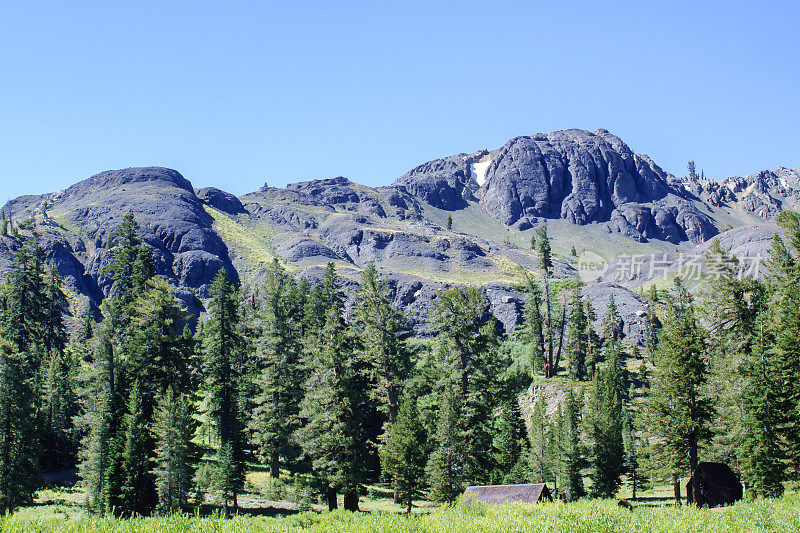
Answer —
(237, 94)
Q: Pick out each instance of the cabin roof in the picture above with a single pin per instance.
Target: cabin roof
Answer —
(528, 493)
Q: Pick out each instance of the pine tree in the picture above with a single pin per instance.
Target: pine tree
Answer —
(605, 431)
(159, 355)
(175, 452)
(59, 444)
(763, 467)
(332, 436)
(279, 386)
(593, 343)
(734, 303)
(577, 337)
(690, 166)
(532, 327)
(511, 442)
(644, 374)
(383, 330)
(678, 408)
(652, 293)
(130, 270)
(551, 355)
(102, 423)
(542, 452)
(445, 468)
(60, 404)
(631, 454)
(570, 456)
(221, 344)
(468, 342)
(449, 223)
(3, 223)
(107, 380)
(24, 304)
(138, 490)
(19, 471)
(403, 456)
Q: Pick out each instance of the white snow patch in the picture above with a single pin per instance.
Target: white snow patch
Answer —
(478, 171)
(783, 182)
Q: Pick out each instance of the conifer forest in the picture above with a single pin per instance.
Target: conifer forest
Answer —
(160, 412)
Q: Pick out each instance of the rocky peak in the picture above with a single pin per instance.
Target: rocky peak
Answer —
(140, 175)
(577, 175)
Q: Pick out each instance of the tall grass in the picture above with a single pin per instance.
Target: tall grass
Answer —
(587, 516)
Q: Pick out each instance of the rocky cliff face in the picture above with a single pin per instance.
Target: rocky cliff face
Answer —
(590, 189)
(78, 224)
(574, 175)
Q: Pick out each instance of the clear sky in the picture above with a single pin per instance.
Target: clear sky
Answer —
(236, 94)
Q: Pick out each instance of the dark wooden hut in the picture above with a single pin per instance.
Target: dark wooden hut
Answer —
(713, 484)
(528, 493)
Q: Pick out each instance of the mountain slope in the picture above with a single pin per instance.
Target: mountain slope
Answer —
(590, 189)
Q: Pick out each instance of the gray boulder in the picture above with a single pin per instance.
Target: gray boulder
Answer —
(218, 199)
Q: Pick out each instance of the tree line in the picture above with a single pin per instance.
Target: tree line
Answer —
(155, 414)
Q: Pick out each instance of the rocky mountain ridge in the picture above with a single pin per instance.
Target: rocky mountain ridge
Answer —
(590, 189)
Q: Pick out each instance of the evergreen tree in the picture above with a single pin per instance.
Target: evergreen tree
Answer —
(138, 490)
(18, 447)
(132, 267)
(577, 337)
(532, 327)
(511, 442)
(734, 304)
(279, 386)
(175, 453)
(783, 278)
(159, 355)
(403, 455)
(570, 456)
(593, 343)
(605, 431)
(332, 436)
(221, 344)
(652, 293)
(551, 354)
(24, 304)
(690, 166)
(102, 423)
(107, 381)
(60, 403)
(631, 454)
(612, 324)
(3, 223)
(449, 223)
(763, 451)
(383, 330)
(542, 451)
(644, 374)
(468, 343)
(679, 409)
(59, 443)
(445, 468)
